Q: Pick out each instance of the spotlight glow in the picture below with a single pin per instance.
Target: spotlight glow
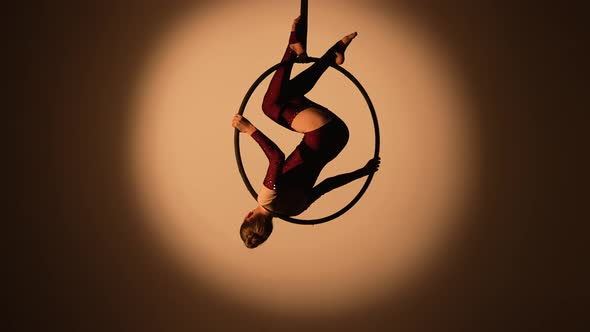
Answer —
(190, 188)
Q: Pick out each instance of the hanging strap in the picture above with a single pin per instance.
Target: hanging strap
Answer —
(303, 19)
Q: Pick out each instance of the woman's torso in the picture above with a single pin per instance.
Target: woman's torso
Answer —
(290, 202)
(303, 166)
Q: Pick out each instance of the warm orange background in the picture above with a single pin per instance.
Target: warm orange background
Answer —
(187, 177)
(124, 233)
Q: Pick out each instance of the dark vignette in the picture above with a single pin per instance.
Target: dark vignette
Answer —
(86, 264)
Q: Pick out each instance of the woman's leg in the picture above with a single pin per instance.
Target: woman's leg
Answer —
(306, 80)
(279, 84)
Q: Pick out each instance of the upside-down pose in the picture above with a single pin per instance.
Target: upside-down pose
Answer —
(288, 186)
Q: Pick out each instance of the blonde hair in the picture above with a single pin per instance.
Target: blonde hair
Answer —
(256, 231)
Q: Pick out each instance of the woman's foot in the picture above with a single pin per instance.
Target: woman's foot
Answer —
(341, 47)
(294, 42)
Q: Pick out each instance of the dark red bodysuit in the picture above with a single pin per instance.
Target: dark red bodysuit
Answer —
(292, 179)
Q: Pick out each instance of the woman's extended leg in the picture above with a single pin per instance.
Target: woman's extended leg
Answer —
(278, 88)
(305, 81)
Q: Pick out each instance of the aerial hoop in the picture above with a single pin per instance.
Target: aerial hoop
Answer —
(375, 154)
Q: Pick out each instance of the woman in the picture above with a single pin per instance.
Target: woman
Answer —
(288, 186)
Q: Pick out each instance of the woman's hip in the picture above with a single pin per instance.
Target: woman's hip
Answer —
(328, 140)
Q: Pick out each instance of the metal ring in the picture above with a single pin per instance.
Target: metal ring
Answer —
(375, 155)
